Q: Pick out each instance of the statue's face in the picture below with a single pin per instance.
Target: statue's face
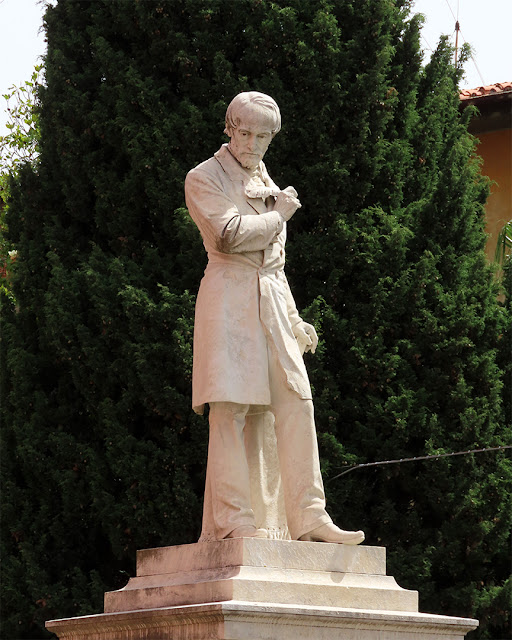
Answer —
(251, 138)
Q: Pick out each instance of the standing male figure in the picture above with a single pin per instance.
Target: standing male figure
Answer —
(248, 337)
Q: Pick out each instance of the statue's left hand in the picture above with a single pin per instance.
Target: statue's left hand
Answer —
(306, 337)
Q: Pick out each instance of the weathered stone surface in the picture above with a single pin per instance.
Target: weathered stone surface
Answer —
(259, 570)
(257, 589)
(258, 621)
(256, 552)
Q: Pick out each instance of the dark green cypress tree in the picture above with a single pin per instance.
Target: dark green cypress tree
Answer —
(104, 454)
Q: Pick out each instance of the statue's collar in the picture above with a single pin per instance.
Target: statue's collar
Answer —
(232, 167)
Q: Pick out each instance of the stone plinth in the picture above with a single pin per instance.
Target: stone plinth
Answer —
(257, 589)
(256, 570)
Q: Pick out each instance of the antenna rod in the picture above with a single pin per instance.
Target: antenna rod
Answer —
(457, 29)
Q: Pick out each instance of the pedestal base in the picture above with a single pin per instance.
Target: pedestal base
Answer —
(254, 589)
(258, 570)
(259, 621)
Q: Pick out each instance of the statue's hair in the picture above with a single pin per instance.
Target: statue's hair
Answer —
(255, 100)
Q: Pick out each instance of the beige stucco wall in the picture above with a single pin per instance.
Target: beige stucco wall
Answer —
(496, 150)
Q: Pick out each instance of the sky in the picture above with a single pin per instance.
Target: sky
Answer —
(484, 24)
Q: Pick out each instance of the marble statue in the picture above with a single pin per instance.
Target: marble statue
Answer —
(249, 341)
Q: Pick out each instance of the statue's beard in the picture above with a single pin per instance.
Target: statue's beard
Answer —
(246, 159)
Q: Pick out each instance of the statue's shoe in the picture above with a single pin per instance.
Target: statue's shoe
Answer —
(331, 533)
(247, 531)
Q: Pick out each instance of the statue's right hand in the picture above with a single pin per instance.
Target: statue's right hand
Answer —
(287, 203)
(291, 192)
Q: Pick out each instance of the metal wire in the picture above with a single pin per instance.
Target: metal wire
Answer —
(451, 11)
(473, 59)
(432, 457)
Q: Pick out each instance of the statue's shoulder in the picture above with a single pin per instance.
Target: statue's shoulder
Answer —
(216, 163)
(207, 166)
(205, 174)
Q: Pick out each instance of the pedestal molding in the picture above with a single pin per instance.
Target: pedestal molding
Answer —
(105, 626)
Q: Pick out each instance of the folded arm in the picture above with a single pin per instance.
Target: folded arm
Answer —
(219, 219)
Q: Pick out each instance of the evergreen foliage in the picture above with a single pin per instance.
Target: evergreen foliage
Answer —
(102, 454)
(19, 145)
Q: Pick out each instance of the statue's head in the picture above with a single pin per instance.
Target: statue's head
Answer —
(256, 103)
(252, 120)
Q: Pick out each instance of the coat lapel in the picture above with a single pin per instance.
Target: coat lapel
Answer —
(237, 175)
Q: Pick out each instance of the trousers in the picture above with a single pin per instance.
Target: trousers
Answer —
(237, 438)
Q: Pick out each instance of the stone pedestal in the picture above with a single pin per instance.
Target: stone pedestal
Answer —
(256, 589)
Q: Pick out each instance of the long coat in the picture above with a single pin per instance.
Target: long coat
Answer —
(244, 305)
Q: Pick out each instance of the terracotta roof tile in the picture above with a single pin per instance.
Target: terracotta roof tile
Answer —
(490, 89)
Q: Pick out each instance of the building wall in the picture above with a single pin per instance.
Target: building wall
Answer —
(496, 150)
